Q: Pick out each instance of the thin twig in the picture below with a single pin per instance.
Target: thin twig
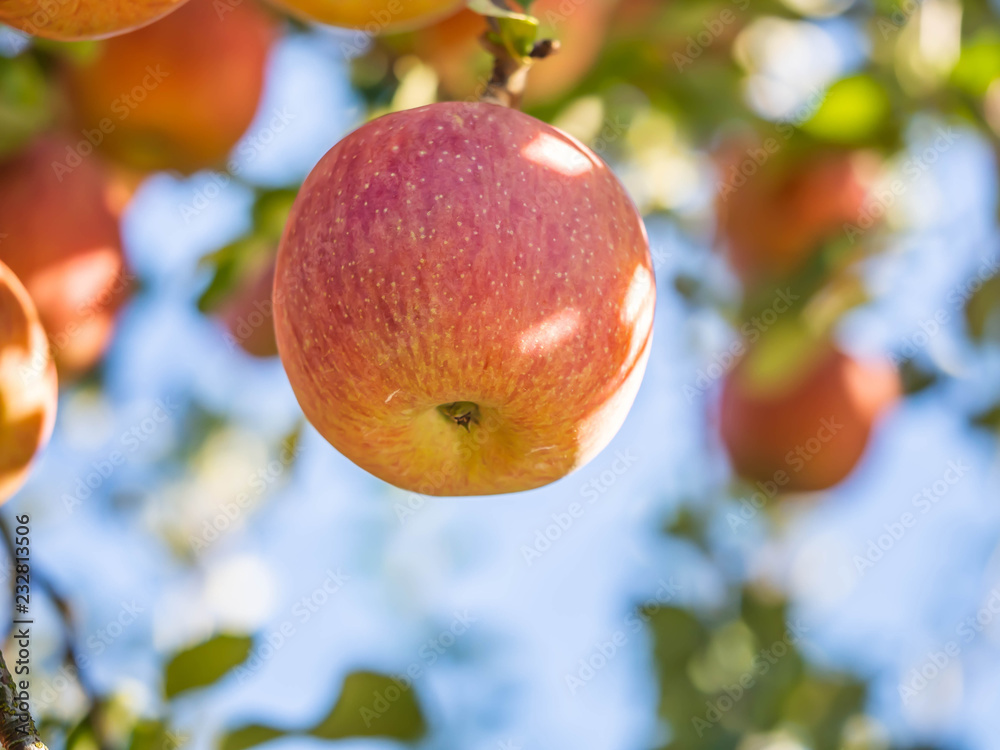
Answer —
(17, 729)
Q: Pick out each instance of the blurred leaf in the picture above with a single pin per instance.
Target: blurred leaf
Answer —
(148, 735)
(82, 736)
(518, 31)
(25, 104)
(372, 705)
(77, 52)
(855, 110)
(249, 255)
(678, 635)
(250, 736)
(205, 663)
(691, 526)
(915, 378)
(233, 264)
(824, 705)
(369, 705)
(270, 212)
(489, 8)
(990, 419)
(982, 311)
(979, 64)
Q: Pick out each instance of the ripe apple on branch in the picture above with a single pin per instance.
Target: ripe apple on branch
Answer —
(464, 294)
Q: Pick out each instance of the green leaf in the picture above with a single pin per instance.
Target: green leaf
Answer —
(270, 212)
(855, 110)
(372, 705)
(989, 419)
(232, 264)
(205, 663)
(488, 8)
(82, 736)
(979, 64)
(982, 311)
(148, 735)
(25, 104)
(518, 31)
(915, 378)
(369, 705)
(249, 736)
(80, 53)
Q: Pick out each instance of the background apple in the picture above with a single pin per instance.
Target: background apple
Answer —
(28, 388)
(242, 277)
(248, 315)
(244, 306)
(62, 241)
(180, 93)
(464, 300)
(805, 425)
(83, 19)
(372, 16)
(773, 220)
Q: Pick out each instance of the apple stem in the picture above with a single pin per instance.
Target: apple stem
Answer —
(462, 413)
(510, 73)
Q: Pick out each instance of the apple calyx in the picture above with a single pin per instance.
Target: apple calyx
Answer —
(462, 413)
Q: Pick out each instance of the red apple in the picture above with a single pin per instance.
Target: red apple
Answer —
(28, 389)
(69, 20)
(807, 429)
(178, 94)
(371, 16)
(773, 220)
(464, 300)
(62, 241)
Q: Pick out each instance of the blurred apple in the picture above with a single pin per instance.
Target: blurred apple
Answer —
(178, 94)
(239, 295)
(61, 238)
(28, 388)
(83, 19)
(773, 220)
(371, 16)
(248, 314)
(806, 426)
(464, 300)
(453, 49)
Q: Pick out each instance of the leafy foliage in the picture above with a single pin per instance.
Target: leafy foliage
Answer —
(205, 663)
(369, 705)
